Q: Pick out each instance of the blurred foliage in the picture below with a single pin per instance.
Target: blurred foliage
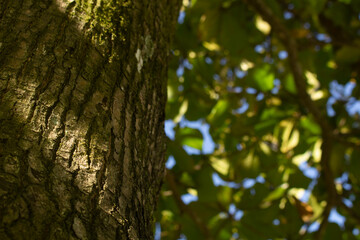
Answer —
(265, 173)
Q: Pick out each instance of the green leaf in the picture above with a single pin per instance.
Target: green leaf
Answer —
(190, 137)
(265, 126)
(187, 179)
(218, 114)
(277, 193)
(264, 78)
(298, 180)
(225, 195)
(182, 111)
(308, 123)
(220, 165)
(245, 165)
(317, 207)
(290, 137)
(289, 84)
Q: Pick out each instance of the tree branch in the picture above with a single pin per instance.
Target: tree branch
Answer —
(295, 66)
(328, 178)
(300, 82)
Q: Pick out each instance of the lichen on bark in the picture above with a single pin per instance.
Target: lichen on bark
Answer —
(146, 52)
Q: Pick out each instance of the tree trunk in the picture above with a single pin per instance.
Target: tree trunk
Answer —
(82, 99)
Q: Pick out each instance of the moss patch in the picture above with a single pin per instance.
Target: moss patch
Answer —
(106, 22)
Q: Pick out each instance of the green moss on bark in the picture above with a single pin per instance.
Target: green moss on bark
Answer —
(106, 22)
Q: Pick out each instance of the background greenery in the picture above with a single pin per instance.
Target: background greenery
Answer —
(263, 120)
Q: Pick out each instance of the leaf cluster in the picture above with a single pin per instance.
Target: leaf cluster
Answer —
(263, 119)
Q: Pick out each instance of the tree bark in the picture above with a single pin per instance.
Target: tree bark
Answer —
(82, 99)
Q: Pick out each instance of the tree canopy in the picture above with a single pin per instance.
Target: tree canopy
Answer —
(263, 121)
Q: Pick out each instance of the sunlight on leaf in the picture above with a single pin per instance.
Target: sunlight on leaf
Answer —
(296, 192)
(291, 142)
(314, 85)
(262, 25)
(316, 154)
(246, 65)
(277, 193)
(182, 111)
(218, 113)
(186, 3)
(250, 162)
(265, 148)
(301, 158)
(192, 191)
(211, 46)
(220, 165)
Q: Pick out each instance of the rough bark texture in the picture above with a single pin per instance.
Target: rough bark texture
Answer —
(82, 95)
